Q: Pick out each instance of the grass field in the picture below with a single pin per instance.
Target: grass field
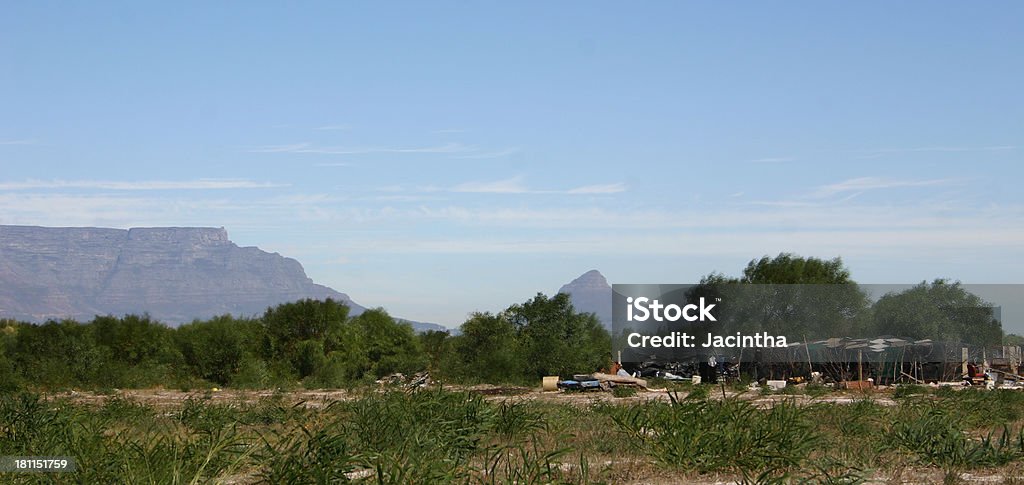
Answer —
(440, 436)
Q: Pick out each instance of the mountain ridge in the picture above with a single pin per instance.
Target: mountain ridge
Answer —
(175, 274)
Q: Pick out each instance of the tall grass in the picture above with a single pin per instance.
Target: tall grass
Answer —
(720, 436)
(434, 436)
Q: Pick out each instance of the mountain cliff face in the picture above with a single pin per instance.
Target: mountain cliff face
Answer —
(591, 293)
(175, 274)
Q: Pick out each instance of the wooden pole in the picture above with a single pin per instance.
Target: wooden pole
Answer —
(810, 366)
(860, 365)
(963, 360)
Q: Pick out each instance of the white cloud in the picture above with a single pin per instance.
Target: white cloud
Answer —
(310, 148)
(341, 127)
(598, 189)
(740, 217)
(332, 164)
(17, 142)
(513, 185)
(946, 149)
(280, 148)
(487, 155)
(201, 184)
(917, 244)
(863, 184)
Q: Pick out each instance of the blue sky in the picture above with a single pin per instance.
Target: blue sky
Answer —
(439, 158)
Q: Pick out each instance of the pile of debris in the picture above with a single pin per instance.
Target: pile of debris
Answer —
(417, 380)
(600, 381)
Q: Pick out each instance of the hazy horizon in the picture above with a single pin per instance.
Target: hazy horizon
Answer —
(442, 158)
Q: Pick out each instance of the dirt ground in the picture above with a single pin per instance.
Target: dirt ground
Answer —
(322, 397)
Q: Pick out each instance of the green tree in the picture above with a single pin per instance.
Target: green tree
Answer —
(486, 350)
(556, 340)
(9, 378)
(134, 339)
(390, 346)
(215, 349)
(800, 297)
(436, 346)
(289, 324)
(57, 354)
(789, 269)
(1013, 339)
(941, 311)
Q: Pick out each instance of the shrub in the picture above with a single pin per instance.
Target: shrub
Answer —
(623, 391)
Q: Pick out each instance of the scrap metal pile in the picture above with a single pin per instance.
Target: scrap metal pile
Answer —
(601, 381)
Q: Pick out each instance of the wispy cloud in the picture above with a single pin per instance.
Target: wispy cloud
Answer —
(598, 189)
(339, 127)
(863, 184)
(18, 142)
(449, 131)
(485, 155)
(944, 149)
(332, 164)
(936, 243)
(201, 184)
(772, 160)
(512, 185)
(310, 148)
(516, 185)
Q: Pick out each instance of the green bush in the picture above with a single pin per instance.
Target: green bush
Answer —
(623, 391)
(909, 390)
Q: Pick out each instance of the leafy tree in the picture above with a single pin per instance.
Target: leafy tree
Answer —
(555, 339)
(542, 336)
(390, 346)
(57, 354)
(309, 357)
(940, 311)
(289, 324)
(789, 269)
(9, 378)
(134, 339)
(800, 297)
(215, 349)
(304, 319)
(1013, 339)
(436, 346)
(368, 346)
(486, 350)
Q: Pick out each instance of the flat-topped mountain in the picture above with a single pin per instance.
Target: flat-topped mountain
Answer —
(176, 274)
(591, 293)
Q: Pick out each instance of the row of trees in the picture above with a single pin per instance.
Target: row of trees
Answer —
(814, 298)
(318, 344)
(308, 342)
(311, 341)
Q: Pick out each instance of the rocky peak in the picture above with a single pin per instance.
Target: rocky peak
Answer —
(591, 293)
(592, 280)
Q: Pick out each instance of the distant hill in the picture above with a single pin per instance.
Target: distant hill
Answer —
(176, 274)
(591, 293)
